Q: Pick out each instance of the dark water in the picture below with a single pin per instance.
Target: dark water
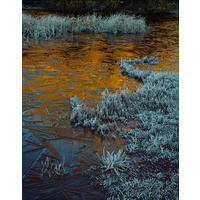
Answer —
(83, 65)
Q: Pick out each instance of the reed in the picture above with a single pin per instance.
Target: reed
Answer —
(46, 27)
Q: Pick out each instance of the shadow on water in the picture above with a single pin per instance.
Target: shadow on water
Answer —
(83, 65)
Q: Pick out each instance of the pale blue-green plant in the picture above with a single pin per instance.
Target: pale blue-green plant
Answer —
(116, 162)
(145, 60)
(47, 167)
(154, 138)
(51, 169)
(46, 27)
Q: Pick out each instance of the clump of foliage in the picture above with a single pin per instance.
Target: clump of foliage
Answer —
(84, 5)
(145, 60)
(105, 5)
(103, 119)
(154, 139)
(46, 27)
(65, 5)
(163, 5)
(126, 65)
(111, 5)
(51, 169)
(114, 162)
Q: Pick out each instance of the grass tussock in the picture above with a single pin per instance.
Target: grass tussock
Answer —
(114, 162)
(46, 27)
(154, 139)
(51, 169)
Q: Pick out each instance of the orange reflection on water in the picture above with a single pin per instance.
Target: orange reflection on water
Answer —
(85, 65)
(82, 65)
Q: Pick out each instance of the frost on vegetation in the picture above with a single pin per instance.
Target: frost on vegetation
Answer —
(157, 97)
(112, 109)
(151, 60)
(155, 138)
(51, 169)
(126, 65)
(116, 162)
(74, 101)
(46, 27)
(132, 183)
(132, 72)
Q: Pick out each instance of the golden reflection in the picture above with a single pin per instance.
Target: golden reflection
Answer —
(85, 65)
(82, 65)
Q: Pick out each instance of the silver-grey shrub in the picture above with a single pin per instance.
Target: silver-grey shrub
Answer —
(45, 27)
